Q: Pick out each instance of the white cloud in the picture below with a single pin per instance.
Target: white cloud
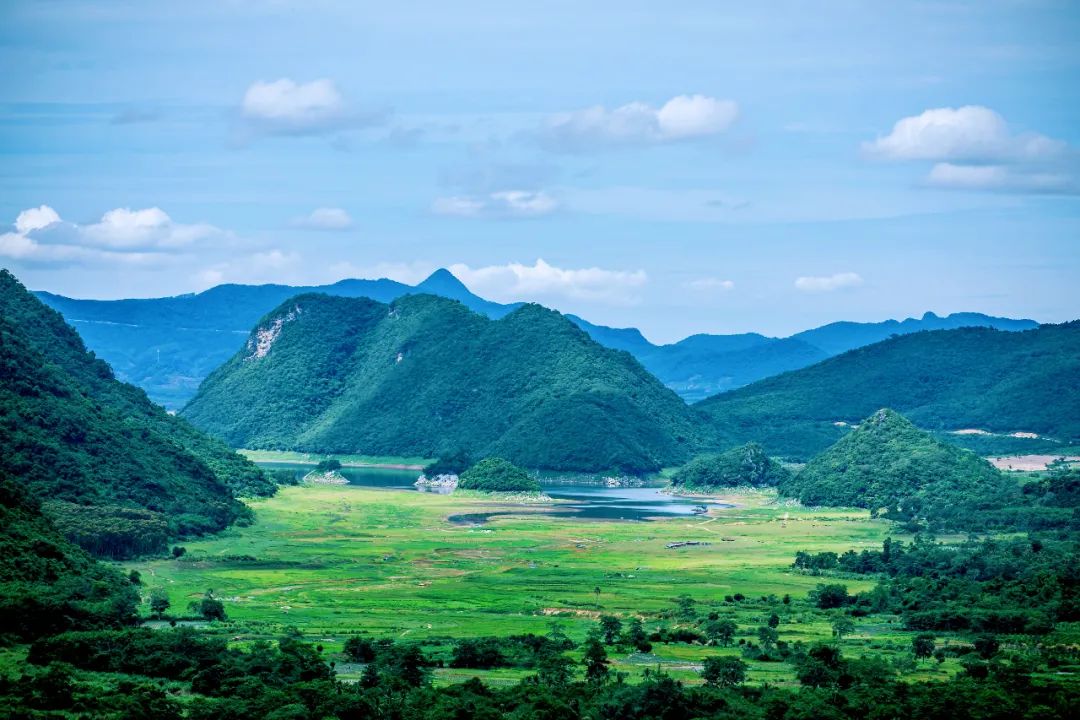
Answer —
(36, 219)
(680, 118)
(325, 219)
(502, 204)
(122, 235)
(515, 281)
(973, 148)
(998, 177)
(709, 284)
(828, 283)
(969, 134)
(286, 107)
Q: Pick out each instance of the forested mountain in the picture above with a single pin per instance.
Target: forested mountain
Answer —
(887, 464)
(119, 474)
(747, 466)
(167, 346)
(427, 376)
(48, 585)
(969, 378)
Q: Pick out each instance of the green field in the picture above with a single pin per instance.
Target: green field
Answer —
(334, 560)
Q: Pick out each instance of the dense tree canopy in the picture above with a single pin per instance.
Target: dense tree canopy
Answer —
(497, 475)
(742, 466)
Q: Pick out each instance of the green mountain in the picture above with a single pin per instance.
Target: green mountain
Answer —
(47, 585)
(427, 376)
(168, 346)
(969, 378)
(742, 466)
(497, 475)
(887, 464)
(119, 473)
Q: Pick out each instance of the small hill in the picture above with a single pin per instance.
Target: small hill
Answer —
(47, 585)
(742, 466)
(497, 475)
(887, 464)
(426, 376)
(997, 381)
(118, 472)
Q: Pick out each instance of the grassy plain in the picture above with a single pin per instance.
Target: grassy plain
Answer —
(338, 560)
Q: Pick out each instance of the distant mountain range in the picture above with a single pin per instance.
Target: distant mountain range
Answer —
(168, 345)
(427, 376)
(972, 379)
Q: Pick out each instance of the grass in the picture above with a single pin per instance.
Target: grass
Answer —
(338, 560)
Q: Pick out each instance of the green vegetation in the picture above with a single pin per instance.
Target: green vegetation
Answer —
(120, 474)
(742, 466)
(890, 466)
(998, 381)
(426, 376)
(48, 585)
(497, 475)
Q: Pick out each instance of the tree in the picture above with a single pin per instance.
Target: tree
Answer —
(360, 650)
(767, 637)
(922, 645)
(595, 661)
(830, 597)
(211, 608)
(596, 591)
(635, 635)
(159, 601)
(842, 625)
(178, 551)
(328, 465)
(987, 646)
(723, 672)
(721, 631)
(610, 628)
(685, 607)
(774, 621)
(135, 577)
(554, 669)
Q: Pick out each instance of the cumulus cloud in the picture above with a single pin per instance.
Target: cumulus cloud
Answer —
(501, 204)
(710, 284)
(286, 107)
(970, 134)
(515, 281)
(122, 235)
(973, 148)
(325, 219)
(683, 117)
(828, 283)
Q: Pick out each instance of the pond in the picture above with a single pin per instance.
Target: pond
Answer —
(584, 499)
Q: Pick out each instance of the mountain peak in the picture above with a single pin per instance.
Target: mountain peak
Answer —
(444, 282)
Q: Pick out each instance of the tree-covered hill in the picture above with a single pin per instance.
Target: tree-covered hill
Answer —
(120, 474)
(48, 585)
(497, 475)
(887, 464)
(747, 465)
(981, 378)
(427, 376)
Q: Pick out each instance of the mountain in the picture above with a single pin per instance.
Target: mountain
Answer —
(118, 473)
(48, 585)
(747, 465)
(945, 380)
(426, 376)
(839, 337)
(167, 346)
(887, 464)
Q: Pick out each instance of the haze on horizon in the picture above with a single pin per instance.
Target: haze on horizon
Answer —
(679, 169)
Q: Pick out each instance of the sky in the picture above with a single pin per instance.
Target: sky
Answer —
(681, 167)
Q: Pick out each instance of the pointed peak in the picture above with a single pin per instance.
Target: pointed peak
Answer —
(444, 280)
(930, 315)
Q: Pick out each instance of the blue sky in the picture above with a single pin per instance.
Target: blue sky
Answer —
(680, 167)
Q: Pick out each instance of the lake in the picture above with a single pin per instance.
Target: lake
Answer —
(585, 500)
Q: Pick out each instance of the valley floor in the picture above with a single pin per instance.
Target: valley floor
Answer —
(340, 560)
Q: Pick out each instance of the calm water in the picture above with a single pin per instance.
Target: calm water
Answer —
(587, 501)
